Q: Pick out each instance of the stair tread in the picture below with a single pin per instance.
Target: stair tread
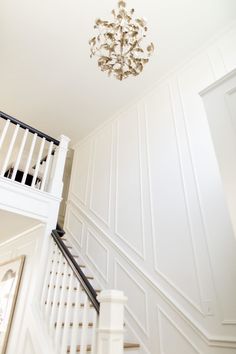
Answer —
(126, 346)
(72, 304)
(80, 324)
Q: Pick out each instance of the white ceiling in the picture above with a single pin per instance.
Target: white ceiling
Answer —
(47, 78)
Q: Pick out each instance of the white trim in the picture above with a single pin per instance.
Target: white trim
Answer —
(218, 82)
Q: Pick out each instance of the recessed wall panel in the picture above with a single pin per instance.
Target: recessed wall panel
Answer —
(137, 297)
(97, 254)
(101, 175)
(80, 177)
(173, 249)
(75, 227)
(129, 222)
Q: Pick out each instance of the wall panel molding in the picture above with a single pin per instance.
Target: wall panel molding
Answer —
(162, 315)
(80, 181)
(108, 181)
(139, 251)
(144, 326)
(197, 306)
(104, 254)
(78, 238)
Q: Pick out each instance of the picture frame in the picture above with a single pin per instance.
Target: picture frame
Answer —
(10, 277)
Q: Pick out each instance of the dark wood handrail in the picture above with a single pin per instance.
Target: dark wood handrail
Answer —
(31, 129)
(77, 270)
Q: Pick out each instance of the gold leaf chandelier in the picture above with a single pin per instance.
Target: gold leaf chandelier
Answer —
(118, 44)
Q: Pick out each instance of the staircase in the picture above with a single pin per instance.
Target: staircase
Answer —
(70, 304)
(78, 316)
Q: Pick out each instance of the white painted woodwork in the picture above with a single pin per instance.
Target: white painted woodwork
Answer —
(111, 322)
(4, 132)
(47, 167)
(56, 182)
(68, 313)
(163, 229)
(219, 100)
(27, 200)
(101, 176)
(84, 335)
(94, 333)
(9, 152)
(82, 158)
(37, 166)
(47, 279)
(29, 159)
(16, 166)
(61, 309)
(97, 254)
(75, 317)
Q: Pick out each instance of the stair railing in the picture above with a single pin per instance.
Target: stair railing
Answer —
(79, 320)
(31, 157)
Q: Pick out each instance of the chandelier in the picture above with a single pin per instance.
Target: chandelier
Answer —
(118, 44)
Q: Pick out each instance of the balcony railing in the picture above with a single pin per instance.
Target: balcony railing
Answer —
(31, 157)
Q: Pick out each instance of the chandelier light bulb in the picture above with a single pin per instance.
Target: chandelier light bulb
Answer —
(118, 44)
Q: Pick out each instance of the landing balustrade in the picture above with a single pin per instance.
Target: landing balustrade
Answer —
(31, 157)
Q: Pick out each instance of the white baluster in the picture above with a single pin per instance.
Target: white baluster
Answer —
(94, 333)
(38, 163)
(75, 329)
(29, 159)
(61, 310)
(52, 282)
(52, 248)
(84, 332)
(19, 154)
(10, 150)
(45, 175)
(56, 295)
(66, 329)
(5, 129)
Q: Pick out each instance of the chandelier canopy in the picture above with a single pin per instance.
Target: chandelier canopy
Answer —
(118, 44)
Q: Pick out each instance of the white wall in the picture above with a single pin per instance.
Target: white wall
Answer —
(220, 103)
(148, 213)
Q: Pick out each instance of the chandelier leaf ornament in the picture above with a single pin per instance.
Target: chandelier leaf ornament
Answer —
(118, 44)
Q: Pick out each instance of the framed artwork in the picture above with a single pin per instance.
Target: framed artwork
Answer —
(10, 277)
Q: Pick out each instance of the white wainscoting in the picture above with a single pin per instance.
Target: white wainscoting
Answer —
(98, 254)
(147, 188)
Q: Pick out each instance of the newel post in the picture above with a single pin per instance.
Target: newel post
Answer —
(111, 322)
(56, 183)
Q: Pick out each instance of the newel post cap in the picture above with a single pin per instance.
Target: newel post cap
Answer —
(113, 296)
(64, 140)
